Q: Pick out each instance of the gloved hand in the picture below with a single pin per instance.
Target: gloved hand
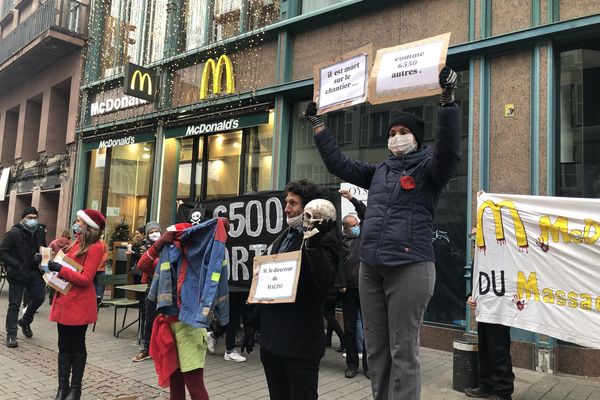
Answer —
(37, 258)
(448, 84)
(325, 226)
(54, 266)
(44, 268)
(248, 340)
(166, 238)
(311, 115)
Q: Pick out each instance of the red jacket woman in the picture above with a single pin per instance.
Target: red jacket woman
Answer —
(73, 311)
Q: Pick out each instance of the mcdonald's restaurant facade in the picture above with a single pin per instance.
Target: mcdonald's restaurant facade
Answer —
(230, 79)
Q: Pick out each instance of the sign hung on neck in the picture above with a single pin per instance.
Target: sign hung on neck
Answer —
(140, 82)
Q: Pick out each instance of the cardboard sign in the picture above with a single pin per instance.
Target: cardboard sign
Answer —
(343, 83)
(408, 71)
(275, 278)
(51, 278)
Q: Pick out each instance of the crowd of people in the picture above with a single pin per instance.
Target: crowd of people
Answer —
(380, 268)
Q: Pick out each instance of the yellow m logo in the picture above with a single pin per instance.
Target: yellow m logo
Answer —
(215, 71)
(137, 75)
(498, 224)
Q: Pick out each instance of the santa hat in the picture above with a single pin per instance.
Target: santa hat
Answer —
(182, 226)
(92, 218)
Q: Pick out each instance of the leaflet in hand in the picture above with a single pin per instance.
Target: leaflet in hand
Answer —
(68, 262)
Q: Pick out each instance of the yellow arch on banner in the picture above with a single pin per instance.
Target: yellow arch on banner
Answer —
(498, 225)
(215, 72)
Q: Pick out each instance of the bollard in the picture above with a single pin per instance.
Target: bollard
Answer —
(465, 366)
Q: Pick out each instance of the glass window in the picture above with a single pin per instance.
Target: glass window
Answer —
(196, 23)
(129, 185)
(362, 133)
(227, 18)
(223, 175)
(579, 138)
(259, 158)
(263, 13)
(188, 158)
(95, 181)
(312, 5)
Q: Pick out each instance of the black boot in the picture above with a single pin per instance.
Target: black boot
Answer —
(64, 370)
(77, 376)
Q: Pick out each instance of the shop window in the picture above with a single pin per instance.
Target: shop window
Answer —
(223, 168)
(313, 5)
(190, 168)
(259, 158)
(579, 128)
(365, 138)
(95, 180)
(134, 31)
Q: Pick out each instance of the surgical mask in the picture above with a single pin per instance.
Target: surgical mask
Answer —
(355, 231)
(31, 224)
(402, 144)
(295, 222)
(76, 228)
(154, 236)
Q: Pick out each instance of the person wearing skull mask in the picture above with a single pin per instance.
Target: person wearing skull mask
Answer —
(397, 271)
(291, 340)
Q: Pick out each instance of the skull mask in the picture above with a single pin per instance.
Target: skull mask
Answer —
(316, 211)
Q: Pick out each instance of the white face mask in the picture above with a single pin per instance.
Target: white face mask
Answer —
(295, 222)
(154, 236)
(402, 144)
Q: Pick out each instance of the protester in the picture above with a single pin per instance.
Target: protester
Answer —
(149, 250)
(291, 334)
(190, 288)
(75, 310)
(19, 251)
(334, 296)
(496, 377)
(237, 310)
(351, 233)
(397, 272)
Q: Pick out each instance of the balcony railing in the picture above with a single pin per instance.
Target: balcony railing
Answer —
(64, 15)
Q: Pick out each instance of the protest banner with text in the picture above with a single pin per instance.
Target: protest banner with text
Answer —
(536, 265)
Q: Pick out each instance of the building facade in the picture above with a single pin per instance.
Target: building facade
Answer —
(223, 116)
(41, 45)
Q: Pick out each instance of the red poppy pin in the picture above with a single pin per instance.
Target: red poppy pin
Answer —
(407, 182)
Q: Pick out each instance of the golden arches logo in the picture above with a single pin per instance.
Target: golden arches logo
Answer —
(142, 78)
(498, 224)
(215, 71)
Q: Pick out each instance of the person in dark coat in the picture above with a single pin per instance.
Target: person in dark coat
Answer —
(291, 334)
(19, 251)
(351, 302)
(397, 272)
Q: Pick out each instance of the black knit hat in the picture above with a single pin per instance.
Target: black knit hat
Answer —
(412, 122)
(30, 210)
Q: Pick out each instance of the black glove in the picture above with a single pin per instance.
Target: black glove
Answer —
(448, 84)
(166, 238)
(325, 226)
(248, 340)
(54, 266)
(37, 258)
(311, 115)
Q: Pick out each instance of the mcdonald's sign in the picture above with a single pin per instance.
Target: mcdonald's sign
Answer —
(140, 82)
(214, 71)
(496, 208)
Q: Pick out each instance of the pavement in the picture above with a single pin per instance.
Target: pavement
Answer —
(29, 371)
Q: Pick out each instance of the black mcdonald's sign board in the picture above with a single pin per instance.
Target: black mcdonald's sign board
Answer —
(140, 82)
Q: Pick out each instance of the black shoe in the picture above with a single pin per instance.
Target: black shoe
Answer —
(341, 349)
(368, 374)
(26, 328)
(350, 373)
(11, 342)
(477, 393)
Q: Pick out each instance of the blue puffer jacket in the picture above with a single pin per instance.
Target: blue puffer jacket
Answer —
(398, 224)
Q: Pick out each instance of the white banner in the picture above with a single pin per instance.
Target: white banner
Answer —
(356, 192)
(537, 265)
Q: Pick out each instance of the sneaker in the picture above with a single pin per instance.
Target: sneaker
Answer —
(27, 332)
(234, 356)
(350, 373)
(477, 393)
(211, 343)
(11, 342)
(143, 355)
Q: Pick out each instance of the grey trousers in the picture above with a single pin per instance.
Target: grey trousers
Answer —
(393, 302)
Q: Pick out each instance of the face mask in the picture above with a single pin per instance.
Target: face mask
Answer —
(355, 231)
(30, 224)
(154, 236)
(402, 144)
(295, 222)
(76, 228)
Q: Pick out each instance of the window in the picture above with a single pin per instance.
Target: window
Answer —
(190, 168)
(579, 142)
(223, 175)
(134, 31)
(259, 158)
(363, 130)
(313, 5)
(196, 12)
